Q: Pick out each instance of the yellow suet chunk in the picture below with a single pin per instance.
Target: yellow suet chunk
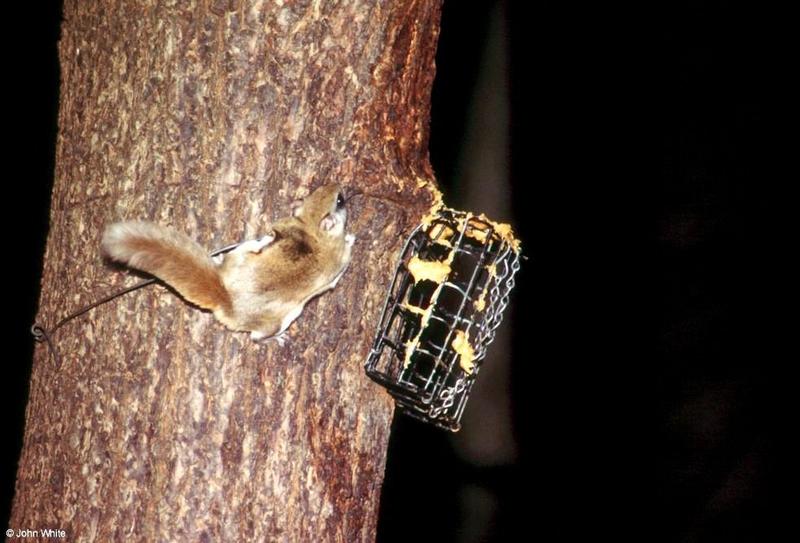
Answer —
(464, 350)
(430, 270)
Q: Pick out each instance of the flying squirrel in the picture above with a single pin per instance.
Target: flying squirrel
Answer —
(262, 285)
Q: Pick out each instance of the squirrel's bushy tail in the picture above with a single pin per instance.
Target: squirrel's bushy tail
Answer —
(172, 257)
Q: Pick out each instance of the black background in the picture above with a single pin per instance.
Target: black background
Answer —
(646, 398)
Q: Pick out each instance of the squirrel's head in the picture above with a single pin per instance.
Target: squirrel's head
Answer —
(324, 209)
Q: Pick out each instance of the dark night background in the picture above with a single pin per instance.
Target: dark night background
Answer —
(644, 398)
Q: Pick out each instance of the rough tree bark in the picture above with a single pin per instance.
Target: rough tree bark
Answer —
(211, 116)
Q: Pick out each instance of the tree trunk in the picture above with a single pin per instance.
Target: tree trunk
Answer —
(211, 117)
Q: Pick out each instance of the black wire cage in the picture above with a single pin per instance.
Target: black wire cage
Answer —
(444, 305)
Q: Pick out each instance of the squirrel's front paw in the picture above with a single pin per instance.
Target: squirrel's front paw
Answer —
(255, 245)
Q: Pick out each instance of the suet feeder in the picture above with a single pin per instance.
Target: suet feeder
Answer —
(444, 305)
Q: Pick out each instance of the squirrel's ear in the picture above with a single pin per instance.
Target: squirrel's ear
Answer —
(297, 207)
(327, 223)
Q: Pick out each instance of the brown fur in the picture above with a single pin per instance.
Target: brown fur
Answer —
(172, 257)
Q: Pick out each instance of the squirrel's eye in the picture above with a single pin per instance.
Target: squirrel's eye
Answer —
(339, 201)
